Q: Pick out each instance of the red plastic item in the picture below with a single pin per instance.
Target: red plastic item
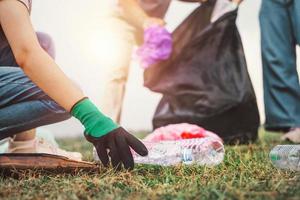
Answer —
(187, 135)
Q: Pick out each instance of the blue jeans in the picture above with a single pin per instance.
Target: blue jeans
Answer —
(280, 33)
(24, 106)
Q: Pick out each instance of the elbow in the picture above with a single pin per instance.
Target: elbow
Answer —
(24, 55)
(21, 58)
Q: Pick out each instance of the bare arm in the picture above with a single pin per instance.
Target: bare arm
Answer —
(35, 62)
(137, 15)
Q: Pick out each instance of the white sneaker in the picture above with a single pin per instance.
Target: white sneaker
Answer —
(293, 135)
(39, 145)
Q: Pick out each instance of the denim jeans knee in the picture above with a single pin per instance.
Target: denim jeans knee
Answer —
(23, 105)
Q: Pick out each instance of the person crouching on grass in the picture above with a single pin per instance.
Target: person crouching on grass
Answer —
(27, 142)
(31, 94)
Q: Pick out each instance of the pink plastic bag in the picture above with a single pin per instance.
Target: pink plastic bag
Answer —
(180, 131)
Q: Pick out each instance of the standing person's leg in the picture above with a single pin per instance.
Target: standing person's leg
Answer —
(295, 16)
(114, 91)
(281, 85)
(294, 134)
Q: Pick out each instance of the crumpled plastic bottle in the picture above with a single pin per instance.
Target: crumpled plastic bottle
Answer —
(200, 151)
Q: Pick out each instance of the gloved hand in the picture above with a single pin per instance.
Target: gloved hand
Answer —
(105, 135)
(118, 143)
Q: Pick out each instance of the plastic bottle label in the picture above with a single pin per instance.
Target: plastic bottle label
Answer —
(187, 156)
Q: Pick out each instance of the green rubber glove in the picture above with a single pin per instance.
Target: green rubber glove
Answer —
(112, 142)
(96, 124)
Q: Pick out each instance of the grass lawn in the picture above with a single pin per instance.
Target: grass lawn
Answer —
(246, 173)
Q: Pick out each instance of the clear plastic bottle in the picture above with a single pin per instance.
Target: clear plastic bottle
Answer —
(286, 157)
(202, 151)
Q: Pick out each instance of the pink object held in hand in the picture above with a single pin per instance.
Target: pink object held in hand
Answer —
(157, 46)
(179, 132)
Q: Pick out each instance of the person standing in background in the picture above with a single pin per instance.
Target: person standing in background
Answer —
(280, 33)
(132, 17)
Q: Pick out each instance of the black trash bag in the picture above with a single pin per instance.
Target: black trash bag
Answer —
(206, 82)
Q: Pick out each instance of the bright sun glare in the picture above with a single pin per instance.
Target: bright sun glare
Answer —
(106, 47)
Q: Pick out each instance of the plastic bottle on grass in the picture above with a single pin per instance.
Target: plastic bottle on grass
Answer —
(200, 151)
(286, 157)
